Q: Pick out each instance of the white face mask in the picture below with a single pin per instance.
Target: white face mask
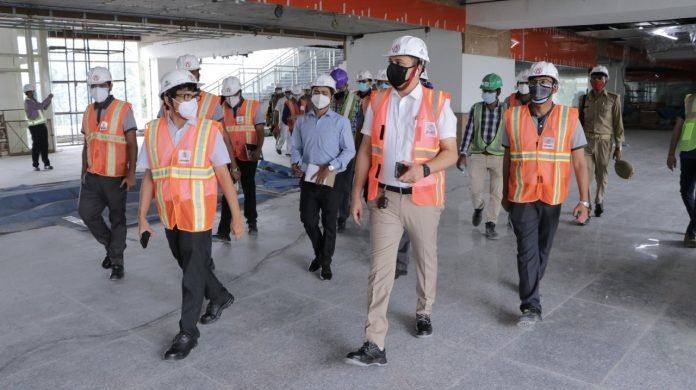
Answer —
(99, 94)
(523, 89)
(320, 101)
(233, 101)
(188, 109)
(489, 97)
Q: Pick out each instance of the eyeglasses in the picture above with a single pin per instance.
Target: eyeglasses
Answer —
(189, 95)
(543, 83)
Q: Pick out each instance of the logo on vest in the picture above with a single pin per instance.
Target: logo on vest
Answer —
(548, 143)
(185, 157)
(104, 126)
(240, 119)
(430, 130)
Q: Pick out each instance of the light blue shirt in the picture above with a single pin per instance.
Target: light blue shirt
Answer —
(327, 140)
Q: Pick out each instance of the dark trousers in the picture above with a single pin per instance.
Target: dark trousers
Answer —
(687, 184)
(247, 169)
(344, 187)
(316, 199)
(192, 252)
(535, 225)
(39, 144)
(97, 193)
(402, 254)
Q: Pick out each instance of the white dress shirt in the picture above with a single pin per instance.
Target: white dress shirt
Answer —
(400, 130)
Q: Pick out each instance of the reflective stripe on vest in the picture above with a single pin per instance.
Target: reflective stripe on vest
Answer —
(107, 153)
(540, 164)
(185, 182)
(479, 145)
(429, 191)
(244, 132)
(39, 120)
(688, 135)
(207, 105)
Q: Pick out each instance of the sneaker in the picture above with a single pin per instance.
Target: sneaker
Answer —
(314, 266)
(399, 273)
(478, 216)
(222, 237)
(368, 355)
(37, 169)
(47, 167)
(106, 263)
(598, 210)
(490, 231)
(424, 328)
(690, 240)
(326, 273)
(529, 318)
(116, 272)
(253, 229)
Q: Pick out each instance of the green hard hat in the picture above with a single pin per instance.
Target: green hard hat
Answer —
(491, 82)
(624, 169)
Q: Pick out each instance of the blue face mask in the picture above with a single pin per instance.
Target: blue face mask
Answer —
(362, 87)
(384, 86)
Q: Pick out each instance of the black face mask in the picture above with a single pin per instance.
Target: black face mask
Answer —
(396, 74)
(540, 93)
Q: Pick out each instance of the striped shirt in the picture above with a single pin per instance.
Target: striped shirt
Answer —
(489, 125)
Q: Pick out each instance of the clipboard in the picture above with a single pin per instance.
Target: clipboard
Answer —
(312, 169)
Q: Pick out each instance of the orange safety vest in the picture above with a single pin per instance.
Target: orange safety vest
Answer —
(294, 111)
(185, 183)
(429, 191)
(540, 164)
(241, 129)
(107, 154)
(303, 105)
(207, 105)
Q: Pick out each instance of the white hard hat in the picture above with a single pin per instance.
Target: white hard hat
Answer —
(29, 87)
(297, 91)
(176, 77)
(188, 62)
(324, 80)
(424, 75)
(409, 46)
(230, 86)
(307, 86)
(382, 75)
(98, 75)
(365, 75)
(523, 76)
(600, 69)
(543, 68)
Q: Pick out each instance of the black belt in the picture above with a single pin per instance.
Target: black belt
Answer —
(399, 190)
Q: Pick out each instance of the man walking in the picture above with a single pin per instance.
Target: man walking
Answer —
(37, 126)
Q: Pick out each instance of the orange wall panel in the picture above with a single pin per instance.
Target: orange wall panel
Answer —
(558, 47)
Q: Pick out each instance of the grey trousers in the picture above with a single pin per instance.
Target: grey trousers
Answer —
(535, 226)
(97, 193)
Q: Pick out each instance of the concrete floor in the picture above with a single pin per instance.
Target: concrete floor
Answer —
(618, 301)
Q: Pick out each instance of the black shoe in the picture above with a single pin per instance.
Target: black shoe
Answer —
(529, 318)
(341, 227)
(325, 272)
(222, 237)
(316, 264)
(106, 263)
(47, 168)
(280, 152)
(253, 229)
(490, 231)
(478, 216)
(368, 355)
(116, 272)
(690, 240)
(423, 326)
(213, 311)
(181, 347)
(37, 169)
(598, 210)
(400, 272)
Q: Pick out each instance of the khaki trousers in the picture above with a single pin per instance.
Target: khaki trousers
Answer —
(386, 228)
(482, 166)
(598, 155)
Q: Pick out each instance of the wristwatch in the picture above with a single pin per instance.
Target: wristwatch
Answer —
(331, 168)
(426, 170)
(586, 204)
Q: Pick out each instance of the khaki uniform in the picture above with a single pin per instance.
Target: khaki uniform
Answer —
(602, 121)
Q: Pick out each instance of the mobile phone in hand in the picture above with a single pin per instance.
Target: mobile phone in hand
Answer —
(400, 169)
(144, 238)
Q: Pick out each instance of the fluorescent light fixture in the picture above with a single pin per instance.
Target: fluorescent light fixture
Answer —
(662, 33)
